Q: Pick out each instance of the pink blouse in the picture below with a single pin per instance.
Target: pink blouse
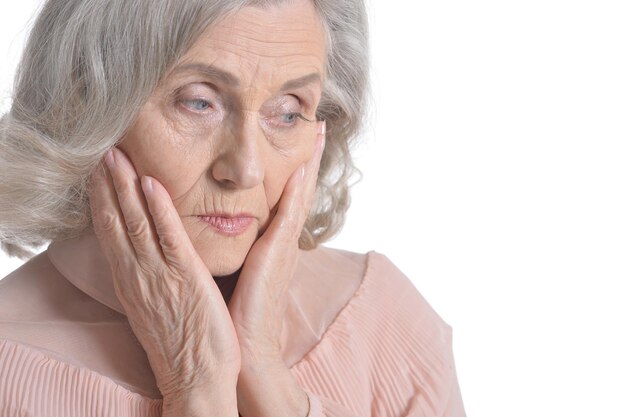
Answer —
(358, 337)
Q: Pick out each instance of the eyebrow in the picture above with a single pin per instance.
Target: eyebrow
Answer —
(231, 80)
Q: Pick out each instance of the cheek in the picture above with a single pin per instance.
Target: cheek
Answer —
(155, 150)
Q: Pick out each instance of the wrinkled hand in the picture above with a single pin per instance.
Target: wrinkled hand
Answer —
(173, 305)
(266, 386)
(259, 300)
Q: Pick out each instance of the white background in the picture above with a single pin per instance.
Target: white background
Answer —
(495, 178)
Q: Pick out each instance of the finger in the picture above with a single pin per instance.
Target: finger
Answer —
(303, 194)
(134, 209)
(297, 196)
(312, 169)
(107, 219)
(174, 242)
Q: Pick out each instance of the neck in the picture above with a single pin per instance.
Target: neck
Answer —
(227, 284)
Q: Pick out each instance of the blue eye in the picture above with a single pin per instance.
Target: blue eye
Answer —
(291, 118)
(198, 104)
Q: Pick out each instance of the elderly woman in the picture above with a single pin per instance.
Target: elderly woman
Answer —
(186, 159)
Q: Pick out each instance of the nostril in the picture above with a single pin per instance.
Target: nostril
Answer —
(238, 172)
(228, 184)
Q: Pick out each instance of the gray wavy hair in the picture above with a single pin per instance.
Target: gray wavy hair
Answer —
(88, 68)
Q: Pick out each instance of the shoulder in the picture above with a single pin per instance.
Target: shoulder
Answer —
(402, 308)
(396, 291)
(42, 314)
(326, 281)
(382, 300)
(367, 283)
(344, 269)
(408, 334)
(353, 270)
(394, 342)
(40, 308)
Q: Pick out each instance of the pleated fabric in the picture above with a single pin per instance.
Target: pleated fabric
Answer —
(33, 384)
(386, 354)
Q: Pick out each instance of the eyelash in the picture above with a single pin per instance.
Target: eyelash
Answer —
(298, 116)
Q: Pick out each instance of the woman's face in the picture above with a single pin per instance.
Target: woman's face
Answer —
(223, 131)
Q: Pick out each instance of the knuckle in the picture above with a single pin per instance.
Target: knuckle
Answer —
(138, 230)
(170, 241)
(105, 220)
(124, 192)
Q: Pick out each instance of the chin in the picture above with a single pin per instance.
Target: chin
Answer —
(223, 256)
(224, 266)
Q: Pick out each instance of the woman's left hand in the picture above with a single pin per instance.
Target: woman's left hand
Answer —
(259, 301)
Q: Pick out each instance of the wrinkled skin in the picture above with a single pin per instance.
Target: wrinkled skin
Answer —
(206, 307)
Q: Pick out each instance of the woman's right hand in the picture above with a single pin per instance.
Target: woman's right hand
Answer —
(172, 303)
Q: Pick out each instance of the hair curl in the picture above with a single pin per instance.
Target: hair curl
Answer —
(88, 68)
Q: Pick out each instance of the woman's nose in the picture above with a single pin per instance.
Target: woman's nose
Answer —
(240, 161)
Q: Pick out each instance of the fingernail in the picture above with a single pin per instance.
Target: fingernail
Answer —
(321, 129)
(320, 144)
(146, 184)
(110, 160)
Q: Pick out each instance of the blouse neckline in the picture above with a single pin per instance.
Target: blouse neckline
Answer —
(82, 262)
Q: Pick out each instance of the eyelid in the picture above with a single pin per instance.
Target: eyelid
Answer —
(307, 104)
(192, 92)
(198, 91)
(284, 105)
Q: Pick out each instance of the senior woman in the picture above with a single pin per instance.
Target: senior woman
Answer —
(186, 159)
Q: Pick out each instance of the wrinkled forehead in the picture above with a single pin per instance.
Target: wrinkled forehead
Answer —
(261, 45)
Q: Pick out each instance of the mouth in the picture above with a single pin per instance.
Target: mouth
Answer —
(228, 225)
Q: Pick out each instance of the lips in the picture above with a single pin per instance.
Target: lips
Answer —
(228, 225)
